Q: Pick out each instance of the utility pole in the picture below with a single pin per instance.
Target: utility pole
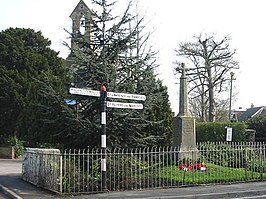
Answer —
(230, 99)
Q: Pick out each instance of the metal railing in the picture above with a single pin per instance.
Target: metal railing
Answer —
(159, 167)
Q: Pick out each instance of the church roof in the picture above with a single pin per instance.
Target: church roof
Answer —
(79, 8)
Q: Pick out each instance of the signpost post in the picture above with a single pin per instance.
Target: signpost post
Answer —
(103, 94)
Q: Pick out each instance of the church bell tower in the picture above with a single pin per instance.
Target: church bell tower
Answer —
(80, 16)
(81, 33)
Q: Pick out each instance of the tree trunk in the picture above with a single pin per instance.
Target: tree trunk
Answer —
(202, 105)
(211, 93)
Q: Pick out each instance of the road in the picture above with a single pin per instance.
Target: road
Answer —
(10, 167)
(10, 177)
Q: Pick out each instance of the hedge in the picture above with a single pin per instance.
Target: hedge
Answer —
(216, 131)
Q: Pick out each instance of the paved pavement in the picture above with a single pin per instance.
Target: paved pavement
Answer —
(12, 185)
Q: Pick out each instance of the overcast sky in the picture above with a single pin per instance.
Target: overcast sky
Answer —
(172, 22)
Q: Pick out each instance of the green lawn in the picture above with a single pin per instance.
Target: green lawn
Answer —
(214, 174)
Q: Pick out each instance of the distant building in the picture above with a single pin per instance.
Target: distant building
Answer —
(250, 113)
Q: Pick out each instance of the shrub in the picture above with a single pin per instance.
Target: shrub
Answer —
(258, 124)
(234, 156)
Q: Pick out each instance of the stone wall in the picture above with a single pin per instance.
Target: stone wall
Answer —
(41, 167)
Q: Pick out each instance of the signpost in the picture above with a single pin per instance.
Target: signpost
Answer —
(124, 105)
(84, 91)
(126, 96)
(70, 102)
(95, 93)
(103, 94)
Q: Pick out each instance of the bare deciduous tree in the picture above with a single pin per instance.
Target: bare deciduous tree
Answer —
(210, 62)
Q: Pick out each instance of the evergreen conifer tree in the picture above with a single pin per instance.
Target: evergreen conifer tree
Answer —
(118, 57)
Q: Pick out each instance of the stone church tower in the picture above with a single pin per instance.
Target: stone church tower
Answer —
(81, 28)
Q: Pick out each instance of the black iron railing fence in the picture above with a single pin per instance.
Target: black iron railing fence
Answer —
(79, 171)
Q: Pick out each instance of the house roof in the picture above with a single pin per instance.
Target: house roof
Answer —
(239, 113)
(251, 112)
